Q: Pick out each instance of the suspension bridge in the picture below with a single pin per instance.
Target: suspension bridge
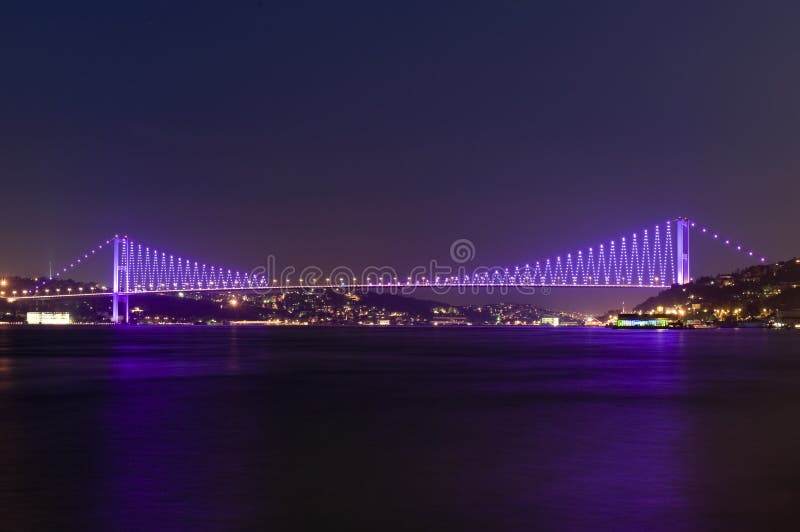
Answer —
(654, 257)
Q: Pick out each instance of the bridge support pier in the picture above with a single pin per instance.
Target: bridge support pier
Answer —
(682, 271)
(115, 313)
(115, 296)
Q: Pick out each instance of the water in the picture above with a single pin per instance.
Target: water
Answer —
(194, 428)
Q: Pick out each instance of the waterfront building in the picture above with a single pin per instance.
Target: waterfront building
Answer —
(49, 318)
(649, 321)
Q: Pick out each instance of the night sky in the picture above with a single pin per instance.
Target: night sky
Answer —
(373, 133)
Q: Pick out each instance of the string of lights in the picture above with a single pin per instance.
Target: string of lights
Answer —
(146, 269)
(62, 271)
(627, 263)
(643, 259)
(633, 260)
(734, 244)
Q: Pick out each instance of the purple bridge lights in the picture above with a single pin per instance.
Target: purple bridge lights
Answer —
(654, 257)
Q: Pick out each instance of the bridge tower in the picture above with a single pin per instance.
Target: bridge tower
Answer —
(682, 270)
(115, 297)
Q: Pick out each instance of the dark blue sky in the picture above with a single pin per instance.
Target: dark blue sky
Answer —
(375, 133)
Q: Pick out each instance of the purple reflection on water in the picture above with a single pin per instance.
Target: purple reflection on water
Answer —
(134, 359)
(459, 429)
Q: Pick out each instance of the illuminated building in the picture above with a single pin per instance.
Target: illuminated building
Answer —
(647, 321)
(49, 318)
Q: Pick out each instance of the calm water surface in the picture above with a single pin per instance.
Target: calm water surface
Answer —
(194, 428)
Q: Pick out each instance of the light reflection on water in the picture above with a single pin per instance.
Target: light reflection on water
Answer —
(455, 429)
(5, 374)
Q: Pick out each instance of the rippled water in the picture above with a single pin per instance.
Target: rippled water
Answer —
(194, 428)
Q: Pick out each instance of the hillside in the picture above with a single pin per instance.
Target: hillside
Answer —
(756, 292)
(321, 307)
